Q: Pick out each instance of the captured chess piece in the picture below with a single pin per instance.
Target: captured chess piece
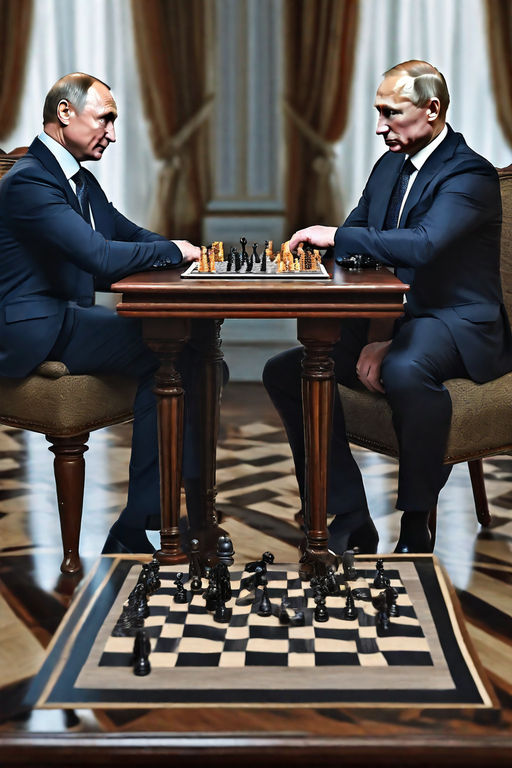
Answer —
(180, 596)
(141, 651)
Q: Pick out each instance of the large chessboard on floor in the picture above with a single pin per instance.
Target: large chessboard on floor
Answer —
(422, 660)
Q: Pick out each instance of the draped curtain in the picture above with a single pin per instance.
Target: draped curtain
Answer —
(321, 40)
(499, 31)
(15, 22)
(173, 41)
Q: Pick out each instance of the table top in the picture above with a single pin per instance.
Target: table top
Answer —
(365, 293)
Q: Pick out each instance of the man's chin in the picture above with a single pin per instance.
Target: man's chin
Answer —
(394, 146)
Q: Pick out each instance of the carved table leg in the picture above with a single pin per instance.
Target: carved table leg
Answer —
(166, 339)
(206, 336)
(318, 337)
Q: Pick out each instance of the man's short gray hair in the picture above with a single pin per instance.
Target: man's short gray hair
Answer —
(421, 82)
(72, 88)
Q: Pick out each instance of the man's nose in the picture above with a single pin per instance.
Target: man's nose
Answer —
(382, 126)
(111, 132)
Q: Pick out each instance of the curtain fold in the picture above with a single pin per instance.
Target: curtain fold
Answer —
(499, 34)
(321, 41)
(15, 25)
(172, 39)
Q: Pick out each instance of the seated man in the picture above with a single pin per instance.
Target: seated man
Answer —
(435, 217)
(59, 238)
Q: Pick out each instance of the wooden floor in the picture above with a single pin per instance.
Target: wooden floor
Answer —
(258, 499)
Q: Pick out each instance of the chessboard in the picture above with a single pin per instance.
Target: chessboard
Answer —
(306, 262)
(290, 654)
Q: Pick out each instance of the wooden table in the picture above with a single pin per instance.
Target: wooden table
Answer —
(174, 309)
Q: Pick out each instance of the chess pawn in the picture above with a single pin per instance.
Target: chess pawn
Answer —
(141, 651)
(380, 581)
(350, 610)
(265, 607)
(321, 612)
(180, 595)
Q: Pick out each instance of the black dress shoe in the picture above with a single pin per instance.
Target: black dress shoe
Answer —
(421, 543)
(365, 539)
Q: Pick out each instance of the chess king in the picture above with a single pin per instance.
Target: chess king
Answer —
(431, 210)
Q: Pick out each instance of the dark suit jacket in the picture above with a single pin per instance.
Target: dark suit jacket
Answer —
(50, 256)
(447, 248)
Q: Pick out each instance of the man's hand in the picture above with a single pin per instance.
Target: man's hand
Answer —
(188, 251)
(317, 235)
(369, 365)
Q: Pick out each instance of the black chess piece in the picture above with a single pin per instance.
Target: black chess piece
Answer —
(180, 596)
(321, 612)
(194, 571)
(381, 606)
(255, 254)
(138, 603)
(222, 614)
(225, 550)
(141, 651)
(127, 624)
(263, 267)
(238, 261)
(381, 580)
(265, 606)
(350, 610)
(391, 598)
(347, 561)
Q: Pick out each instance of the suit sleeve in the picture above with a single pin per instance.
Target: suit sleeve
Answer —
(41, 217)
(448, 212)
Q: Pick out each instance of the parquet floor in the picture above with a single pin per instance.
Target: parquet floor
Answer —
(258, 498)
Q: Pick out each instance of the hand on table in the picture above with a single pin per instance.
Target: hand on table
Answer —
(369, 365)
(317, 235)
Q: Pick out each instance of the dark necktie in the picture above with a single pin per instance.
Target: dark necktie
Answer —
(82, 194)
(397, 195)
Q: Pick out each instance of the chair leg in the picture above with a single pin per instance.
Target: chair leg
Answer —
(432, 524)
(69, 468)
(476, 472)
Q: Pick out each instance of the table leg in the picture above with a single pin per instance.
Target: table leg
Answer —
(206, 336)
(318, 337)
(166, 339)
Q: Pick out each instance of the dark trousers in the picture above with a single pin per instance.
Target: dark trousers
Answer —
(97, 340)
(421, 357)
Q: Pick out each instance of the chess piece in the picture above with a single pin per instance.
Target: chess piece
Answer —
(225, 550)
(265, 607)
(141, 651)
(381, 580)
(222, 614)
(127, 624)
(180, 596)
(194, 571)
(255, 254)
(391, 598)
(381, 606)
(321, 612)
(347, 561)
(138, 603)
(211, 594)
(350, 610)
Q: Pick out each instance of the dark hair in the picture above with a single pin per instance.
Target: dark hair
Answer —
(72, 88)
(422, 82)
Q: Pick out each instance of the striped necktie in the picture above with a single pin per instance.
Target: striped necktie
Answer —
(82, 194)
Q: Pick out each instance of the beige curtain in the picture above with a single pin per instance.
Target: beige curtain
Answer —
(173, 39)
(499, 31)
(15, 21)
(321, 38)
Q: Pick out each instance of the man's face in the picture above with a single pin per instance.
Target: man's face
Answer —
(404, 126)
(89, 133)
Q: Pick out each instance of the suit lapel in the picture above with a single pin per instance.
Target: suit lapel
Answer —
(48, 160)
(429, 170)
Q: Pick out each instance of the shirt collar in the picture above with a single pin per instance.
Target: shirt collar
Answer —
(64, 158)
(421, 157)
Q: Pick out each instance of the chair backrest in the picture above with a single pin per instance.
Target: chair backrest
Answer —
(7, 159)
(505, 175)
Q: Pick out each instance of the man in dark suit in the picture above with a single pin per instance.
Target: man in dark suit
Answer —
(435, 217)
(60, 238)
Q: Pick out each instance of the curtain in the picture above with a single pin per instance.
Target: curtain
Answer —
(173, 42)
(321, 38)
(15, 23)
(499, 32)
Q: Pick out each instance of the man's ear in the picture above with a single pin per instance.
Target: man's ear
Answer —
(434, 108)
(64, 111)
